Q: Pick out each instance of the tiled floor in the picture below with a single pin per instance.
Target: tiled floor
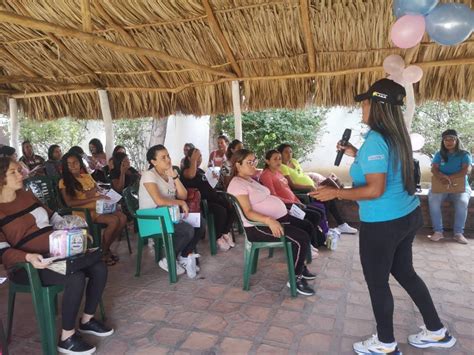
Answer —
(213, 315)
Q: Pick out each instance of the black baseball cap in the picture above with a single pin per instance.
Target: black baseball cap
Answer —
(384, 90)
(449, 132)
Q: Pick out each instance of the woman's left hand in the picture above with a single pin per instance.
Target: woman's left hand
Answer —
(324, 193)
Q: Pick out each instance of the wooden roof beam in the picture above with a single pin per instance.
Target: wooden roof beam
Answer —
(304, 12)
(216, 29)
(62, 31)
(86, 16)
(22, 79)
(128, 37)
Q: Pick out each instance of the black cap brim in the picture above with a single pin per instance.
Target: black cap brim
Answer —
(362, 97)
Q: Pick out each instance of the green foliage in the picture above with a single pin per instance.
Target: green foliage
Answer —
(265, 130)
(432, 118)
(65, 132)
(134, 134)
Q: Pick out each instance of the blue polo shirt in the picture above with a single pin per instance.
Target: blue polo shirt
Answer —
(454, 163)
(372, 158)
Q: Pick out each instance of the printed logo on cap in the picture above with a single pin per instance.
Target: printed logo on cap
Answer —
(379, 94)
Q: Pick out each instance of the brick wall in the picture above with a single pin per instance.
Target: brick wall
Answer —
(350, 212)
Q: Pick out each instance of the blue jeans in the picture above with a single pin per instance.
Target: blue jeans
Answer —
(460, 201)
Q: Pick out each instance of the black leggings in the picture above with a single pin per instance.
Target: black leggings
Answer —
(223, 216)
(73, 289)
(310, 224)
(331, 207)
(299, 240)
(386, 248)
(186, 237)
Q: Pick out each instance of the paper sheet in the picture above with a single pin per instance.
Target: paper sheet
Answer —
(2, 280)
(297, 212)
(212, 175)
(194, 219)
(114, 196)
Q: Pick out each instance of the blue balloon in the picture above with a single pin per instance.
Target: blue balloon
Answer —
(450, 24)
(413, 7)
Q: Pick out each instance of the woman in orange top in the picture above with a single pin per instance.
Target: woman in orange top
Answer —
(80, 190)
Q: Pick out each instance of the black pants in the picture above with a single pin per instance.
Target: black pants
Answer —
(186, 237)
(386, 248)
(298, 237)
(73, 289)
(331, 207)
(309, 224)
(224, 215)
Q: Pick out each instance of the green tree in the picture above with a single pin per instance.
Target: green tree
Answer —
(432, 118)
(134, 135)
(265, 130)
(66, 132)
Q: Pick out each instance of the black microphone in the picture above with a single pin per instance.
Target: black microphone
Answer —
(344, 140)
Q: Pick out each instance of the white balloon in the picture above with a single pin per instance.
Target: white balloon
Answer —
(417, 141)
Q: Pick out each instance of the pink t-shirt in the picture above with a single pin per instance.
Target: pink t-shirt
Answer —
(260, 198)
(217, 158)
(278, 186)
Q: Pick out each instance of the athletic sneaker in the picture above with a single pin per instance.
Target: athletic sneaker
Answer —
(75, 345)
(302, 286)
(163, 263)
(308, 275)
(458, 237)
(427, 339)
(314, 252)
(228, 238)
(96, 328)
(436, 236)
(222, 244)
(189, 263)
(346, 229)
(374, 346)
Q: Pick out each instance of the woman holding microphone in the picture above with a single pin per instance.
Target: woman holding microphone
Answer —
(384, 187)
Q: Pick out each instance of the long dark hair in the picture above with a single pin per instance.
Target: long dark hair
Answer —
(97, 144)
(51, 151)
(232, 145)
(23, 147)
(70, 182)
(4, 165)
(387, 120)
(76, 150)
(117, 159)
(117, 148)
(224, 137)
(444, 152)
(268, 156)
(151, 153)
(238, 157)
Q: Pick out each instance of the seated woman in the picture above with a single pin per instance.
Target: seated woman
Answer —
(194, 177)
(24, 237)
(53, 164)
(80, 190)
(226, 167)
(259, 205)
(122, 175)
(449, 163)
(186, 148)
(217, 157)
(160, 186)
(277, 184)
(298, 180)
(97, 160)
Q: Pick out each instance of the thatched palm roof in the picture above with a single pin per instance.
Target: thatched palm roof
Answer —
(158, 57)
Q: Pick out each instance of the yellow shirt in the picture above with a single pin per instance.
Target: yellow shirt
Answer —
(88, 183)
(297, 175)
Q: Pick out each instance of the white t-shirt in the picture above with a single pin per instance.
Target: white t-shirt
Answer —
(167, 188)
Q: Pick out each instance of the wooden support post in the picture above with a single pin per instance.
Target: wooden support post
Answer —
(108, 126)
(14, 126)
(237, 111)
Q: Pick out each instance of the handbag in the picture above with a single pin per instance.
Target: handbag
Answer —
(458, 185)
(194, 200)
(75, 263)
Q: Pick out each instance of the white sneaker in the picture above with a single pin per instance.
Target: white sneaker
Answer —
(228, 238)
(346, 229)
(436, 236)
(222, 244)
(314, 252)
(374, 346)
(189, 263)
(163, 263)
(458, 237)
(427, 339)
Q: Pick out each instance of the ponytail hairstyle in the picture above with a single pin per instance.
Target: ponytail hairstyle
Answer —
(70, 182)
(387, 119)
(232, 145)
(238, 157)
(268, 156)
(151, 153)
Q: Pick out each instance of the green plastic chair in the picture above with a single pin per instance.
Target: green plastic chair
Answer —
(156, 224)
(211, 228)
(45, 305)
(252, 249)
(45, 190)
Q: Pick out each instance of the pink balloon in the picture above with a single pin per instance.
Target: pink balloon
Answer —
(408, 31)
(393, 64)
(412, 74)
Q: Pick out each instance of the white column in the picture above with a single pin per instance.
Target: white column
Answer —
(237, 111)
(108, 127)
(14, 126)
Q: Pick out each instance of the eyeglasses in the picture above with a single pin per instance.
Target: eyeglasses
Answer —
(449, 139)
(251, 162)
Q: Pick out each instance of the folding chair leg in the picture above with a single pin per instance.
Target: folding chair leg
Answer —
(250, 255)
(128, 240)
(158, 244)
(270, 253)
(49, 320)
(11, 309)
(255, 261)
(139, 255)
(291, 268)
(170, 257)
(211, 230)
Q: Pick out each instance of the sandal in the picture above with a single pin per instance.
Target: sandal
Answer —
(114, 257)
